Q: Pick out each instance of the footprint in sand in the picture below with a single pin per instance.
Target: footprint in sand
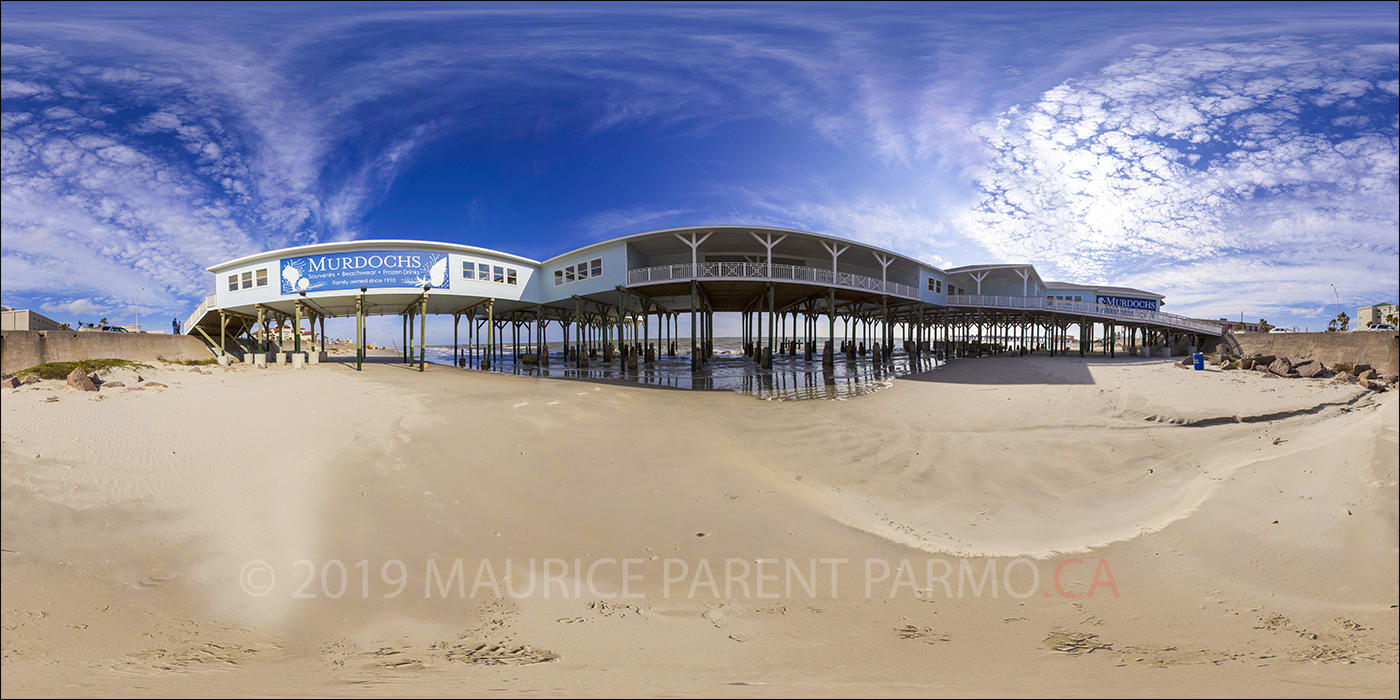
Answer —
(1070, 642)
(493, 654)
(721, 616)
(925, 633)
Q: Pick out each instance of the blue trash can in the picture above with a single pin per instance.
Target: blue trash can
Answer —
(1198, 360)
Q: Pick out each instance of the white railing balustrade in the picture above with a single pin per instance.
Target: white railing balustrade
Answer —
(763, 271)
(209, 302)
(1084, 308)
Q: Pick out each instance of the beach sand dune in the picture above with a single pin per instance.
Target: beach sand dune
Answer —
(997, 526)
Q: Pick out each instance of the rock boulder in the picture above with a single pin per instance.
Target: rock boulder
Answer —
(1310, 369)
(80, 381)
(9, 383)
(1282, 367)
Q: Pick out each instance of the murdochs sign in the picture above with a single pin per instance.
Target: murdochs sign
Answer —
(1128, 302)
(376, 268)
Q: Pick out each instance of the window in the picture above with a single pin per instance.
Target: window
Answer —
(262, 277)
(580, 271)
(247, 280)
(935, 286)
(233, 283)
(486, 272)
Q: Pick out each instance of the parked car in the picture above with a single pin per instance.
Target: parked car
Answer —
(114, 329)
(1381, 327)
(1281, 330)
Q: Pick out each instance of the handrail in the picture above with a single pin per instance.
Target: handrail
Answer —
(763, 271)
(1085, 309)
(209, 302)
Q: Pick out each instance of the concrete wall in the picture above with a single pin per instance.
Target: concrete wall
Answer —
(1375, 348)
(23, 349)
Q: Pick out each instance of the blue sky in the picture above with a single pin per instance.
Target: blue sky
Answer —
(1238, 158)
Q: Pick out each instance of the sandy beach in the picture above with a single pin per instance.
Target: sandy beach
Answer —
(999, 526)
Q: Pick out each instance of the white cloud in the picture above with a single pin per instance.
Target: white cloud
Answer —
(1175, 166)
(77, 307)
(16, 88)
(621, 222)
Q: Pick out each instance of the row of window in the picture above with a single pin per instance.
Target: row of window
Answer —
(247, 280)
(581, 271)
(936, 286)
(489, 273)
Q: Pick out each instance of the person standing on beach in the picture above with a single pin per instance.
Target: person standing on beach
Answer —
(175, 325)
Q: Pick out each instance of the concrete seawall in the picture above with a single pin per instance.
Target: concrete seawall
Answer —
(1378, 349)
(23, 349)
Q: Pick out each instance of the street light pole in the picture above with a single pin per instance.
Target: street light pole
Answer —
(138, 309)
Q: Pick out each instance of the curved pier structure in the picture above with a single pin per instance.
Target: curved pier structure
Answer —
(623, 301)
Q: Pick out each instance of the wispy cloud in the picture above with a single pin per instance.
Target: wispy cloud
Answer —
(1178, 158)
(620, 222)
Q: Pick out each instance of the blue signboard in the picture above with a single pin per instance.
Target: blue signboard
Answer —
(368, 268)
(1128, 302)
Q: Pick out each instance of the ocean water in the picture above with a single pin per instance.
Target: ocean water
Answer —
(791, 378)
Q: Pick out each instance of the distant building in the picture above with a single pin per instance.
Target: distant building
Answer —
(1237, 327)
(1367, 315)
(25, 320)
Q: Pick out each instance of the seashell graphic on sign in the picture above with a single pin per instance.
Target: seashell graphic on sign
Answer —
(438, 273)
(290, 275)
(293, 278)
